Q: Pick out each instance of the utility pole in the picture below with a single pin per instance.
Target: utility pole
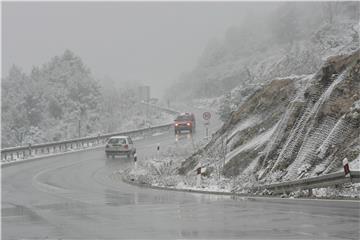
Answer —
(147, 112)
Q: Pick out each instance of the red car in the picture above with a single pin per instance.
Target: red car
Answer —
(185, 121)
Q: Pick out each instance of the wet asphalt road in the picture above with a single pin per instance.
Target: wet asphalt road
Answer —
(81, 196)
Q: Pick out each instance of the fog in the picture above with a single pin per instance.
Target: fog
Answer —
(149, 43)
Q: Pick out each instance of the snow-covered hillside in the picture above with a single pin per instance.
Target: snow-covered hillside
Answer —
(257, 54)
(292, 128)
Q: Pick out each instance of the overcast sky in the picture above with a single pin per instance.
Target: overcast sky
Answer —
(152, 43)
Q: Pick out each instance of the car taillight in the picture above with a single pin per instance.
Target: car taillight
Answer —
(126, 146)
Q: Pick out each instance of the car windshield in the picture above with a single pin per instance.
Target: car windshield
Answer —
(183, 118)
(117, 141)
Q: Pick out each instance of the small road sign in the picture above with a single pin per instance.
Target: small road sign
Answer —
(206, 115)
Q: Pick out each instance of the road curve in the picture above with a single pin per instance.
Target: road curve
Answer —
(81, 196)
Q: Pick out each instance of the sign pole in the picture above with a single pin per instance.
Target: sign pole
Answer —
(206, 117)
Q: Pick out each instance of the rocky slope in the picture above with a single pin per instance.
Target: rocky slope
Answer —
(291, 128)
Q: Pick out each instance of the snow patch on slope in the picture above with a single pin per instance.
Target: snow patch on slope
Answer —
(256, 142)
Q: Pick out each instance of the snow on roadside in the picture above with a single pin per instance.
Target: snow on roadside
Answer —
(349, 191)
(158, 134)
(355, 164)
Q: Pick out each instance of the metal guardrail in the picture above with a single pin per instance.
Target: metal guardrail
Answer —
(25, 152)
(328, 180)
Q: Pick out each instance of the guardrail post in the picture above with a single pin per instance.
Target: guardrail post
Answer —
(310, 193)
(12, 157)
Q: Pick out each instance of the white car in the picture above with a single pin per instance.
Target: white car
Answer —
(120, 145)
